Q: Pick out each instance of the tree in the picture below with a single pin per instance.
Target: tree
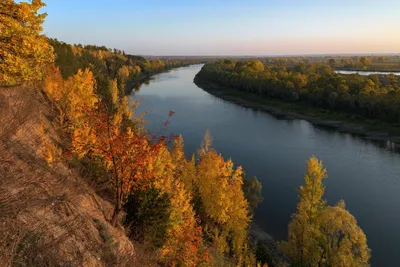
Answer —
(332, 62)
(364, 62)
(184, 244)
(302, 244)
(80, 98)
(54, 83)
(320, 235)
(24, 52)
(252, 190)
(342, 241)
(392, 79)
(185, 169)
(126, 153)
(256, 66)
(224, 209)
(205, 144)
(147, 215)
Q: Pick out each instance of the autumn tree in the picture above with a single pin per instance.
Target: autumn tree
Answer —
(342, 241)
(123, 74)
(79, 98)
(184, 244)
(224, 209)
(364, 62)
(126, 153)
(302, 242)
(320, 235)
(184, 169)
(54, 83)
(24, 52)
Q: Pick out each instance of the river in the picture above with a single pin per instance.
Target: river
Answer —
(362, 72)
(364, 174)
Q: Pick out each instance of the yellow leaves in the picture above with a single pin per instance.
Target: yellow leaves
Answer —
(219, 185)
(125, 108)
(136, 70)
(84, 139)
(225, 207)
(343, 241)
(54, 83)
(53, 154)
(81, 98)
(123, 72)
(322, 235)
(114, 92)
(311, 193)
(184, 241)
(25, 52)
(77, 51)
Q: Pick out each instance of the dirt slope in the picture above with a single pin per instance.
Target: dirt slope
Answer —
(49, 215)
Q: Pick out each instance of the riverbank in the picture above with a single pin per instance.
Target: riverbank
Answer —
(136, 82)
(376, 69)
(369, 129)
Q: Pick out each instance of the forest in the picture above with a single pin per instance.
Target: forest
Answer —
(108, 64)
(191, 210)
(315, 84)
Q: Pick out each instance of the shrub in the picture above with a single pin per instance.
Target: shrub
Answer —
(147, 215)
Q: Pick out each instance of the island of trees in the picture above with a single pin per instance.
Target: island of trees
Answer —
(193, 211)
(312, 84)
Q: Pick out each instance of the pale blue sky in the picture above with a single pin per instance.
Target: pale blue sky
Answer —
(228, 27)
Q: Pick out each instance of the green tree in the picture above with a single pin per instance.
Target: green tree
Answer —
(252, 191)
(147, 215)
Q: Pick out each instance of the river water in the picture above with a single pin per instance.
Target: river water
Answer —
(366, 175)
(366, 72)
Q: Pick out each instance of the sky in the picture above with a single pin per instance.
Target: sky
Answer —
(228, 27)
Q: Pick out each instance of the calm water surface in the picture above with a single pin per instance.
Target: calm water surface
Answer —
(365, 175)
(365, 72)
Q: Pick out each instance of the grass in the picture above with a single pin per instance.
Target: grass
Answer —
(109, 251)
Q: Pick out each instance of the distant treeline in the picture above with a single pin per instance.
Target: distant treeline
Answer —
(108, 64)
(316, 84)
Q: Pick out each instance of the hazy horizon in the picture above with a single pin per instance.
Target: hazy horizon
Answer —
(229, 28)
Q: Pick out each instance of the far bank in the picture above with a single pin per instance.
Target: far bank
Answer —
(369, 129)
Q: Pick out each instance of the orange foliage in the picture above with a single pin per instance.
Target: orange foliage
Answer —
(184, 245)
(126, 154)
(54, 83)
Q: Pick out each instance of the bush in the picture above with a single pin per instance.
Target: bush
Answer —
(147, 215)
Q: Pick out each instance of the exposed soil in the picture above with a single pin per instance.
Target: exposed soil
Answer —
(49, 215)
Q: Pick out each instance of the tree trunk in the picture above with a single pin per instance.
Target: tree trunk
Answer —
(117, 208)
(114, 219)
